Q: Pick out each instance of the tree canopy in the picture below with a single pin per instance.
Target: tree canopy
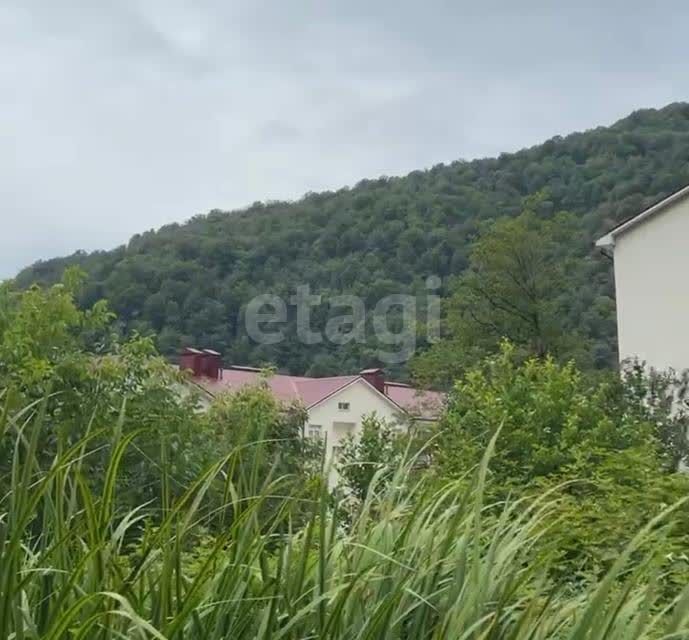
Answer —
(512, 289)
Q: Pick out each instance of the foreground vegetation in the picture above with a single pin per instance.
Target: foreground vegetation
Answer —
(416, 562)
(544, 505)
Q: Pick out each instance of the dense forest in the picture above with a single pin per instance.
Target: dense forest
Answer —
(188, 283)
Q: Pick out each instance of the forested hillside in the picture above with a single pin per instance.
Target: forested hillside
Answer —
(188, 282)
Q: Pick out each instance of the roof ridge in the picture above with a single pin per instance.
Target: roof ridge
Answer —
(351, 375)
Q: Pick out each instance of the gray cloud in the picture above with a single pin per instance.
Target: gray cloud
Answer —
(124, 115)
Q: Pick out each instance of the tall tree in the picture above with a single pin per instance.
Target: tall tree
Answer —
(514, 289)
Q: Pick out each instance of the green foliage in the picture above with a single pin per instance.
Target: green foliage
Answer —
(189, 283)
(417, 562)
(604, 504)
(251, 419)
(549, 415)
(93, 382)
(605, 446)
(42, 332)
(74, 362)
(125, 513)
(511, 290)
(660, 397)
(372, 456)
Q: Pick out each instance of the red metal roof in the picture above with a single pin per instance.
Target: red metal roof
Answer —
(310, 391)
(417, 402)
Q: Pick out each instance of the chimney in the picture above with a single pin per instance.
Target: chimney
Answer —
(375, 377)
(206, 363)
(211, 364)
(191, 360)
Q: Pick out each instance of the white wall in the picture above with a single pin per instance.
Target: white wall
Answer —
(363, 401)
(652, 282)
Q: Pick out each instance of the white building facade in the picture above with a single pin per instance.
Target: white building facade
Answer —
(342, 414)
(651, 255)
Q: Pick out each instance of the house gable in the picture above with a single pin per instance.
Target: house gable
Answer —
(391, 404)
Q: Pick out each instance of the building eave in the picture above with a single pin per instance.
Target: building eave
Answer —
(606, 242)
(609, 239)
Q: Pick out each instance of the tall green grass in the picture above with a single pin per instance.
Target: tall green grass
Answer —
(418, 560)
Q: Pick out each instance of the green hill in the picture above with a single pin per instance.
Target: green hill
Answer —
(187, 282)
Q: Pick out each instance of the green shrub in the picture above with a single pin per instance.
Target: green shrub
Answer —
(604, 445)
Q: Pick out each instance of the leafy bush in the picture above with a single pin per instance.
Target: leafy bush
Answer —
(372, 455)
(91, 381)
(551, 416)
(660, 397)
(605, 445)
(270, 437)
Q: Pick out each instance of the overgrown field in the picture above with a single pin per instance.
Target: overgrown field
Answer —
(416, 561)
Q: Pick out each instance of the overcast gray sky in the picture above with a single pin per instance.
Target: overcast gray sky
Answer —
(122, 115)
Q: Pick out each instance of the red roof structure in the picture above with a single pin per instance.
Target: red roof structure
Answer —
(425, 405)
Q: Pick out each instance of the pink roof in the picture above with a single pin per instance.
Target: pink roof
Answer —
(310, 391)
(420, 403)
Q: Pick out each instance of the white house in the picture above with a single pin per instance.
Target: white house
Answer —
(651, 253)
(336, 406)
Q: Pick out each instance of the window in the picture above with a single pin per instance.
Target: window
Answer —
(337, 451)
(343, 406)
(314, 431)
(342, 429)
